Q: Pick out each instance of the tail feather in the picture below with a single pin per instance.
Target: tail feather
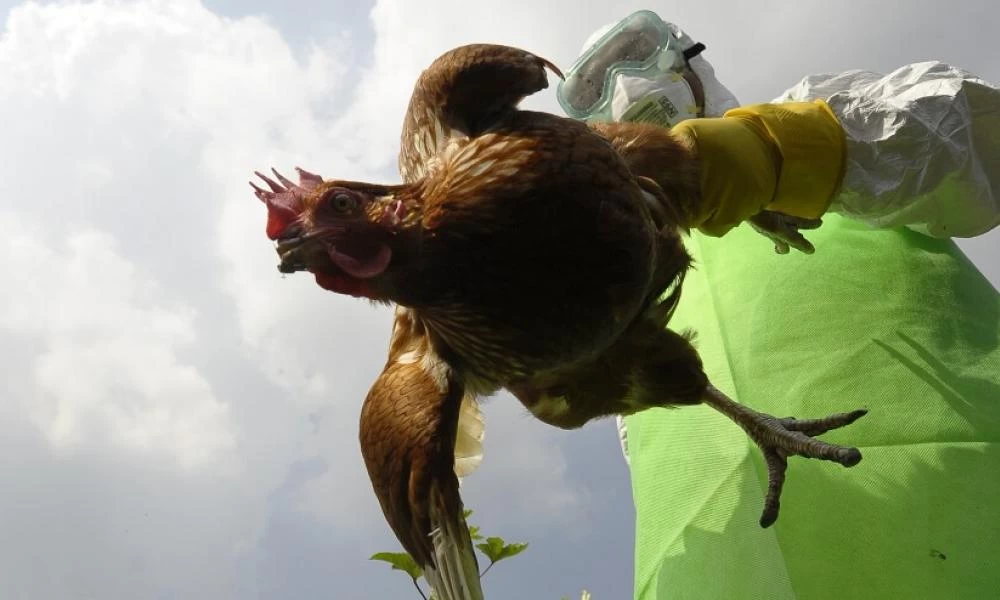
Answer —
(455, 574)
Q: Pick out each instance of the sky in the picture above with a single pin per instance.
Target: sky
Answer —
(177, 419)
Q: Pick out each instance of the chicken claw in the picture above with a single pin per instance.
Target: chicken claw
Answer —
(780, 438)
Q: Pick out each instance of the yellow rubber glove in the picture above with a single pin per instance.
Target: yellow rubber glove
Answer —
(787, 157)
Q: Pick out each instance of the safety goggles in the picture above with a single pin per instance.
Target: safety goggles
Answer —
(639, 45)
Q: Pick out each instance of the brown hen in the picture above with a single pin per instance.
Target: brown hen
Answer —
(524, 251)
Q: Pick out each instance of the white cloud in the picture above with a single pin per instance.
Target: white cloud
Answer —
(176, 411)
(166, 383)
(108, 371)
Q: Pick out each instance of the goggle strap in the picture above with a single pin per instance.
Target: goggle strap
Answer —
(693, 51)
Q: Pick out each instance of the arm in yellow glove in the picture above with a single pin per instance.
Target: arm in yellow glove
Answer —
(919, 148)
(787, 158)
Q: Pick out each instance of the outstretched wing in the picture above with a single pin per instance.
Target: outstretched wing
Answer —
(420, 431)
(409, 429)
(460, 94)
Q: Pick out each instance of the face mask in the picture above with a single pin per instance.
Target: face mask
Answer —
(664, 101)
(636, 71)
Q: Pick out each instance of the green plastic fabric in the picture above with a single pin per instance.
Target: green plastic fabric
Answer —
(884, 319)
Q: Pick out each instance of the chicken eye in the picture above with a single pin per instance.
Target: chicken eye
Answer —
(343, 202)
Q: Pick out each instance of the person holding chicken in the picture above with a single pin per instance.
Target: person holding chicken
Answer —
(881, 307)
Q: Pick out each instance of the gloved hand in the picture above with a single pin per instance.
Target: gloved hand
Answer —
(783, 230)
(774, 166)
(779, 227)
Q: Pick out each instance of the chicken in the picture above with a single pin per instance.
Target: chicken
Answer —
(523, 251)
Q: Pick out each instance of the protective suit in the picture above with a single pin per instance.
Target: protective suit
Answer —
(923, 147)
(887, 314)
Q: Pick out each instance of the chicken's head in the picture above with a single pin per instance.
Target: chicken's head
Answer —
(341, 231)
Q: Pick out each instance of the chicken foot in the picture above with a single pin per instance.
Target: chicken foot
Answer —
(779, 438)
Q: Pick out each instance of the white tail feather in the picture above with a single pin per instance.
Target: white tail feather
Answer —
(456, 574)
(469, 438)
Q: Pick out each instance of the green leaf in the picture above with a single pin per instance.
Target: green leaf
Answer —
(510, 550)
(496, 549)
(474, 533)
(400, 561)
(492, 547)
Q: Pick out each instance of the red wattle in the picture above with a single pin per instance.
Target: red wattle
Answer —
(279, 219)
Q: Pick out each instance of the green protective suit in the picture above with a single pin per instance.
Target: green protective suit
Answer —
(889, 320)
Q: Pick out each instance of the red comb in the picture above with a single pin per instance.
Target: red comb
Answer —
(284, 199)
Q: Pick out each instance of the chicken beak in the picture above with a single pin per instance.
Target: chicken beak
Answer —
(291, 262)
(292, 251)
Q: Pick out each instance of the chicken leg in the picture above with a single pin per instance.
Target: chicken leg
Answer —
(780, 438)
